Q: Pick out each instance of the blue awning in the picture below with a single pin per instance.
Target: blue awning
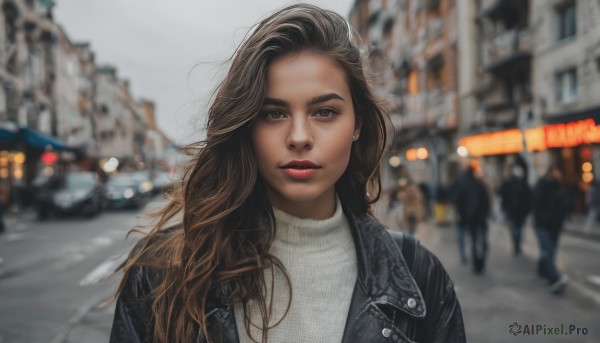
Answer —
(7, 135)
(41, 141)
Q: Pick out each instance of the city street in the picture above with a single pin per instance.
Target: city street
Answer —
(52, 272)
(52, 287)
(510, 292)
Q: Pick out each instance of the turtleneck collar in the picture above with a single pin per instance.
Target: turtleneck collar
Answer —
(310, 236)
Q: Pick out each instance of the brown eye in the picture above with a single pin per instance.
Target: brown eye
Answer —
(273, 115)
(325, 113)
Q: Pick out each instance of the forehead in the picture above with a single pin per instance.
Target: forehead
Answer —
(306, 72)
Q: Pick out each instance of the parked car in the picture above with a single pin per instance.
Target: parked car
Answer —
(161, 182)
(123, 191)
(145, 182)
(77, 193)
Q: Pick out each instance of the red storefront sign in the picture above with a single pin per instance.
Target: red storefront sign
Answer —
(571, 134)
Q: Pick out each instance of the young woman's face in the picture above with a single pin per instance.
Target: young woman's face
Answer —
(303, 136)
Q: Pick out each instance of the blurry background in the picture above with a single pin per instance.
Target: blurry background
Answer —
(98, 99)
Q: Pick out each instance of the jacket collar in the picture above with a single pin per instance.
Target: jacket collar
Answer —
(383, 273)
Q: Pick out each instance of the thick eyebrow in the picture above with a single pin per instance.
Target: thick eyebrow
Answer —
(315, 100)
(323, 98)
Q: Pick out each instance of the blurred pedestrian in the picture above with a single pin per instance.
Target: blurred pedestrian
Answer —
(412, 204)
(515, 195)
(593, 205)
(394, 215)
(426, 195)
(3, 206)
(473, 208)
(278, 200)
(550, 207)
(461, 231)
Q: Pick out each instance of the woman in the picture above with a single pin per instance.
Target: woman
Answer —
(412, 203)
(277, 241)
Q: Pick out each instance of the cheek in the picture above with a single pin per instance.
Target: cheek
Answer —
(262, 147)
(339, 152)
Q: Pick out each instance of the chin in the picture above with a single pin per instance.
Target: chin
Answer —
(300, 193)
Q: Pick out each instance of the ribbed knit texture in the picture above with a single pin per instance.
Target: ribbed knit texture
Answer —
(320, 258)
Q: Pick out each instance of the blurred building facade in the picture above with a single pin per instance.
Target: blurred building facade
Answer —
(502, 82)
(54, 98)
(414, 57)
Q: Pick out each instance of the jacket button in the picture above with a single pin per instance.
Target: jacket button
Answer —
(412, 303)
(386, 332)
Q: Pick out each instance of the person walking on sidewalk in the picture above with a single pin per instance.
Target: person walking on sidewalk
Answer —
(473, 208)
(412, 204)
(515, 196)
(593, 204)
(550, 208)
(278, 240)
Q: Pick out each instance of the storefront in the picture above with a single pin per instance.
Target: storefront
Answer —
(572, 146)
(21, 152)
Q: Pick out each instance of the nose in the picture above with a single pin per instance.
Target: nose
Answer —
(299, 136)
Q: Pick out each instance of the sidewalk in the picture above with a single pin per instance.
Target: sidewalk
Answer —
(574, 226)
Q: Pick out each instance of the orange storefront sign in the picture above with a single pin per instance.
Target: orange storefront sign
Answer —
(494, 143)
(535, 139)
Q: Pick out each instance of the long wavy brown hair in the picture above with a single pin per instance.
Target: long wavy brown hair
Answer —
(221, 249)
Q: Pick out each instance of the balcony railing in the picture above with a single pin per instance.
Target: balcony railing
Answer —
(506, 47)
(502, 117)
(439, 107)
(428, 110)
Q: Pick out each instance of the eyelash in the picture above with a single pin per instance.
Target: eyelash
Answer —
(330, 111)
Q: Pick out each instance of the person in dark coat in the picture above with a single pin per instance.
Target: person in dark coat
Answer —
(451, 194)
(593, 204)
(516, 204)
(550, 208)
(472, 206)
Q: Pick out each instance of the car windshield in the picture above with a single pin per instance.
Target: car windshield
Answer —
(141, 176)
(78, 180)
(120, 180)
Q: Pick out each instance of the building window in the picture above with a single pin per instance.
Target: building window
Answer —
(566, 86)
(567, 20)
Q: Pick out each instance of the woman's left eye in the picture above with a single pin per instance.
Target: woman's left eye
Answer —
(325, 113)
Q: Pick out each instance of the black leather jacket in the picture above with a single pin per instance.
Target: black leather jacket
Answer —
(389, 304)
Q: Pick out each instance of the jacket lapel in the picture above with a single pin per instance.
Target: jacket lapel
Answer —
(384, 280)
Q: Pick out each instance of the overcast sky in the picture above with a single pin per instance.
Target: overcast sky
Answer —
(171, 51)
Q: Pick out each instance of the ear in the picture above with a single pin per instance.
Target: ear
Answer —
(357, 125)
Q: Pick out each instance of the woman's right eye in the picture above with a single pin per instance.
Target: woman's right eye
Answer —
(273, 114)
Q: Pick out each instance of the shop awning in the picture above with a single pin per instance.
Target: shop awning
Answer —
(7, 135)
(42, 141)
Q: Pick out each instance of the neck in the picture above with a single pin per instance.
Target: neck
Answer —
(320, 208)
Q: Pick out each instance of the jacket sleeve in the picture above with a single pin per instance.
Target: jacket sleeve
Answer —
(133, 314)
(443, 322)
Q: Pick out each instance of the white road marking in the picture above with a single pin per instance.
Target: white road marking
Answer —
(101, 272)
(593, 295)
(595, 279)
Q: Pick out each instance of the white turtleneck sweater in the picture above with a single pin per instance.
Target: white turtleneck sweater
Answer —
(320, 258)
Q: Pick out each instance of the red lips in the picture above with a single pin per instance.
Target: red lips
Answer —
(304, 164)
